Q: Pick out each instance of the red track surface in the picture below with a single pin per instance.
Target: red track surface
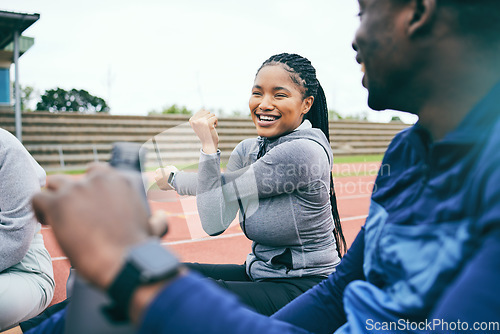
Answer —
(189, 241)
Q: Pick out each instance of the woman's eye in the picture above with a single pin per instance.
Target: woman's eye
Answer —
(256, 94)
(281, 95)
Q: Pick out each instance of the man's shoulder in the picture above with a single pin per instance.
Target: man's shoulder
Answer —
(402, 137)
(6, 138)
(403, 148)
(486, 178)
(493, 142)
(9, 143)
(489, 157)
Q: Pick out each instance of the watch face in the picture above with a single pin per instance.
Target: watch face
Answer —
(170, 178)
(153, 261)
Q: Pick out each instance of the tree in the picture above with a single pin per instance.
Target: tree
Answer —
(334, 115)
(238, 113)
(26, 97)
(28, 94)
(71, 101)
(173, 109)
(361, 116)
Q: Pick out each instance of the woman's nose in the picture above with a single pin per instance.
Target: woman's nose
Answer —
(266, 104)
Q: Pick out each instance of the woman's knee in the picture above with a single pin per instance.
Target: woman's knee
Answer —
(21, 297)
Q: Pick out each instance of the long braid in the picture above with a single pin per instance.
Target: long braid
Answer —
(304, 75)
(318, 115)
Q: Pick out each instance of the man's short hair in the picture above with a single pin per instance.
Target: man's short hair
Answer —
(480, 18)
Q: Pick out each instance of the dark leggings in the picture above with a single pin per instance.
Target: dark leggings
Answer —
(35, 321)
(265, 297)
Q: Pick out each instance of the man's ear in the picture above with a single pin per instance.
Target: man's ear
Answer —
(422, 16)
(307, 104)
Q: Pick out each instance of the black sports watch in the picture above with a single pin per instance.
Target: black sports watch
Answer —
(171, 177)
(146, 263)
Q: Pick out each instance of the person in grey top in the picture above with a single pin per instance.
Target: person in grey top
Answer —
(280, 183)
(26, 277)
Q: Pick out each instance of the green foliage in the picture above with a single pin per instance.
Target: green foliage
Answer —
(334, 115)
(71, 101)
(239, 113)
(362, 116)
(173, 109)
(27, 95)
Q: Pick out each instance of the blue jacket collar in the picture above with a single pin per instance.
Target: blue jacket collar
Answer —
(475, 125)
(479, 121)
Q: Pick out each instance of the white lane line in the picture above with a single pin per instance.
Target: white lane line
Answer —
(353, 218)
(180, 242)
(192, 213)
(224, 236)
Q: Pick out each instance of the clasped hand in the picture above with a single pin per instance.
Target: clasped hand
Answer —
(204, 124)
(95, 220)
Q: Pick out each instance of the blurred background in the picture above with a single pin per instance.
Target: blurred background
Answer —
(154, 56)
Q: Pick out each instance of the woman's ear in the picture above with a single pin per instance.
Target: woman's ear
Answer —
(307, 104)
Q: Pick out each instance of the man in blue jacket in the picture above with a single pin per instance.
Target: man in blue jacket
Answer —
(428, 258)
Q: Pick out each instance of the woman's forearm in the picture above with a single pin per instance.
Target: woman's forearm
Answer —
(185, 183)
(216, 214)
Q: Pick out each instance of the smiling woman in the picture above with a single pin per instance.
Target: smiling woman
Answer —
(277, 104)
(281, 184)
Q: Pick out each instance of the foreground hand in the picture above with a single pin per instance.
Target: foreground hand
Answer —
(204, 124)
(162, 175)
(95, 220)
(158, 224)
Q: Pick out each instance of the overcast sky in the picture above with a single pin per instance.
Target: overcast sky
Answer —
(143, 55)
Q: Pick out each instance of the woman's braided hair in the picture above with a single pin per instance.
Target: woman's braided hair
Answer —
(303, 74)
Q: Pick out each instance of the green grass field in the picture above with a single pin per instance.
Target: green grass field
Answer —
(337, 160)
(343, 166)
(358, 158)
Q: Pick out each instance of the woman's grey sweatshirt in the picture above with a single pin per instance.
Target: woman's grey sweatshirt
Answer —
(20, 178)
(283, 199)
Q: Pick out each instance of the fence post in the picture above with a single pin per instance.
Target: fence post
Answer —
(61, 157)
(94, 148)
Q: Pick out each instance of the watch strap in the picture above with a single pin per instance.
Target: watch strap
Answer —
(121, 291)
(146, 263)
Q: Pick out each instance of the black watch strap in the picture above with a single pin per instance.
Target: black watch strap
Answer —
(121, 291)
(146, 263)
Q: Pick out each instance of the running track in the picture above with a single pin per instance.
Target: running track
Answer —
(188, 240)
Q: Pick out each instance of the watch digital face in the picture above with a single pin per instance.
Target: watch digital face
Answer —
(153, 261)
(170, 178)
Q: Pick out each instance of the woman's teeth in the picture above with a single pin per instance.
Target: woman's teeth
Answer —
(363, 67)
(267, 118)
